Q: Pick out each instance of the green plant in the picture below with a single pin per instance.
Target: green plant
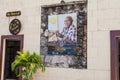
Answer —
(29, 64)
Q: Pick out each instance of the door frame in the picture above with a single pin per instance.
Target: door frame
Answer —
(114, 35)
(9, 37)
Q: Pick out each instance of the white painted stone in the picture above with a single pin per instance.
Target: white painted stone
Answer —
(92, 20)
(114, 4)
(92, 5)
(102, 75)
(103, 4)
(101, 40)
(103, 16)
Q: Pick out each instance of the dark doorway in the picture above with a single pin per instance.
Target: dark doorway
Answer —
(119, 55)
(115, 54)
(12, 47)
(9, 45)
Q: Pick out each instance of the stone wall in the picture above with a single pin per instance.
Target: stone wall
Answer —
(56, 52)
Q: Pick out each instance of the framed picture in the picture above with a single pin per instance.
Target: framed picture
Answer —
(62, 33)
(63, 40)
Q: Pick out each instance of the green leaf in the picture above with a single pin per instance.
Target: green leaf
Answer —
(29, 62)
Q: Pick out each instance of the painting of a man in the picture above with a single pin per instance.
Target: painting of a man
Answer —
(69, 32)
(62, 33)
(62, 29)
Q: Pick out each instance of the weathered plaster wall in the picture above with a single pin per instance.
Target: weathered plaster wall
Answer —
(103, 16)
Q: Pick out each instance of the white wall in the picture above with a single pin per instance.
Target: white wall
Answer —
(103, 16)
